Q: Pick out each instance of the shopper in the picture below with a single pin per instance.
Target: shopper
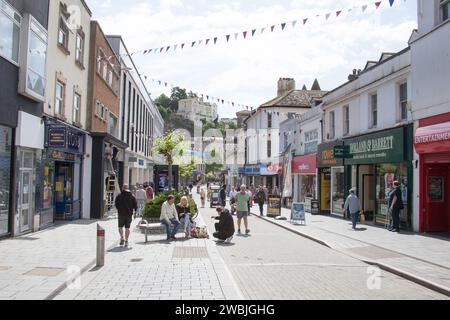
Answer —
(169, 217)
(141, 196)
(125, 203)
(184, 216)
(223, 196)
(242, 207)
(150, 193)
(260, 198)
(233, 194)
(395, 206)
(225, 226)
(203, 197)
(353, 205)
(276, 192)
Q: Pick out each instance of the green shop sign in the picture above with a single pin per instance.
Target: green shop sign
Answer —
(381, 147)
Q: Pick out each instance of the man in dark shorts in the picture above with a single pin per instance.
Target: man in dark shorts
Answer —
(125, 203)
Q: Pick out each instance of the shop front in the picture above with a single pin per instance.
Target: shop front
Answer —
(373, 162)
(432, 143)
(5, 178)
(60, 173)
(331, 179)
(304, 170)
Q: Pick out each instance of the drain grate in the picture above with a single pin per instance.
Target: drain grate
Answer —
(190, 253)
(44, 272)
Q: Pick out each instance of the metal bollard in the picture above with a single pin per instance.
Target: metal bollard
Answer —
(100, 246)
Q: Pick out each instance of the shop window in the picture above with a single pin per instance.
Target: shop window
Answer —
(48, 178)
(76, 108)
(59, 98)
(373, 110)
(445, 8)
(33, 76)
(5, 176)
(346, 120)
(403, 103)
(79, 48)
(10, 23)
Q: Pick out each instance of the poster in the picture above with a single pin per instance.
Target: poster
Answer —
(298, 212)
(436, 188)
(274, 206)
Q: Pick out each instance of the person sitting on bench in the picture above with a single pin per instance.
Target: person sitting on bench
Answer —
(225, 226)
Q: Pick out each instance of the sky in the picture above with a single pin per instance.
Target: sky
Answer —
(246, 71)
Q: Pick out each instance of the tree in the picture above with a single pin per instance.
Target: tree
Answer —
(177, 95)
(187, 169)
(165, 146)
(163, 101)
(192, 95)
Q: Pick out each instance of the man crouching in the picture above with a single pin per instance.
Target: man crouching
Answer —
(225, 226)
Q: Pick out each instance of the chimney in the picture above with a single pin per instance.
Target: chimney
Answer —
(285, 85)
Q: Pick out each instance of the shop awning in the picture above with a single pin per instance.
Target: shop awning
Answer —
(304, 164)
(433, 139)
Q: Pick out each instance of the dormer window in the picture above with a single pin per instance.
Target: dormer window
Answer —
(445, 9)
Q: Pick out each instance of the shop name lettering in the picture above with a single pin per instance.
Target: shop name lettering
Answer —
(372, 145)
(433, 137)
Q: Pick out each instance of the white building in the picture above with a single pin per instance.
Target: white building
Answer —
(430, 75)
(263, 131)
(140, 121)
(67, 164)
(368, 119)
(195, 109)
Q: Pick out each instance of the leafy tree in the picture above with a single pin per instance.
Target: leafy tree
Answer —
(165, 146)
(163, 101)
(192, 95)
(177, 95)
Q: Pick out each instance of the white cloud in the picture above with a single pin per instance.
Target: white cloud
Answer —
(247, 71)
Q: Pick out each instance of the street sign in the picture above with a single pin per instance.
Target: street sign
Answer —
(341, 152)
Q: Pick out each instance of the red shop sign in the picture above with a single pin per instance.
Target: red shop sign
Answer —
(305, 164)
(432, 139)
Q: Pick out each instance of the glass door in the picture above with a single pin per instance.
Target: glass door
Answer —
(63, 189)
(26, 195)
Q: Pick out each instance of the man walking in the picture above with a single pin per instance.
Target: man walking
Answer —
(169, 217)
(125, 204)
(242, 206)
(260, 199)
(141, 196)
(354, 206)
(395, 206)
(225, 226)
(223, 196)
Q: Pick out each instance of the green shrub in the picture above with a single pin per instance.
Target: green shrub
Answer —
(152, 210)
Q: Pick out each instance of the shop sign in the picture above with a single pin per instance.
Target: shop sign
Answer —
(304, 164)
(141, 162)
(325, 155)
(381, 147)
(274, 207)
(272, 169)
(298, 212)
(58, 155)
(311, 141)
(435, 138)
(73, 140)
(253, 170)
(56, 137)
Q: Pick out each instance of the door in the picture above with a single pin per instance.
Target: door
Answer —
(25, 200)
(63, 188)
(437, 198)
(367, 196)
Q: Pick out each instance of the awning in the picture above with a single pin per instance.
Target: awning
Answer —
(304, 164)
(433, 139)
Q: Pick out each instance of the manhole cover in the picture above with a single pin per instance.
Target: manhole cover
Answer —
(136, 260)
(44, 272)
(190, 253)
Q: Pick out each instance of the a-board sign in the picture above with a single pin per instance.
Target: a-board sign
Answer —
(298, 212)
(274, 206)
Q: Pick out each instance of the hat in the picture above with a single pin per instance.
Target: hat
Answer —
(352, 190)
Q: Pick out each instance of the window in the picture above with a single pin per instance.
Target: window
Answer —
(79, 48)
(59, 98)
(105, 71)
(269, 120)
(269, 149)
(445, 8)
(100, 110)
(63, 29)
(373, 110)
(110, 78)
(76, 107)
(403, 101)
(10, 22)
(332, 125)
(112, 124)
(346, 120)
(99, 62)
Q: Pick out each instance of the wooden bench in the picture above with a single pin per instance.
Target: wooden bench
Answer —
(153, 228)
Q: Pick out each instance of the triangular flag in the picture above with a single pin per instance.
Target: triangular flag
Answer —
(182, 46)
(150, 50)
(168, 48)
(161, 50)
(193, 43)
(165, 83)
(200, 42)
(228, 37)
(272, 28)
(253, 32)
(338, 13)
(145, 51)
(391, 2)
(263, 29)
(207, 40)
(283, 25)
(305, 20)
(294, 23)
(215, 40)
(236, 35)
(159, 82)
(176, 46)
(145, 77)
(327, 16)
(207, 97)
(223, 101)
(364, 7)
(377, 4)
(245, 34)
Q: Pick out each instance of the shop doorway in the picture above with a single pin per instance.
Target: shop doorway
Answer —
(368, 197)
(26, 195)
(63, 189)
(437, 195)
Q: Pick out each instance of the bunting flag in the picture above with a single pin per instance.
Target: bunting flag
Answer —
(282, 25)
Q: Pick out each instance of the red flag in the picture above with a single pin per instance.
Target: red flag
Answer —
(245, 34)
(145, 78)
(377, 4)
(305, 20)
(338, 13)
(272, 28)
(161, 50)
(182, 46)
(207, 40)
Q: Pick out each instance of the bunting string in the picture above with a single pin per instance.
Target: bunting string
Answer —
(252, 32)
